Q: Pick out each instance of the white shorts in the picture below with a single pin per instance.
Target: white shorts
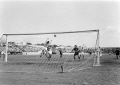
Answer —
(100, 54)
(82, 53)
(50, 52)
(45, 48)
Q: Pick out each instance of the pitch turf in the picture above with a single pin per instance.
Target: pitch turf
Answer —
(35, 63)
(33, 70)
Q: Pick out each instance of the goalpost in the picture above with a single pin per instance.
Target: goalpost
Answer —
(97, 60)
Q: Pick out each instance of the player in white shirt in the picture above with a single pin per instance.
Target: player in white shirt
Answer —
(47, 50)
(82, 53)
(3, 54)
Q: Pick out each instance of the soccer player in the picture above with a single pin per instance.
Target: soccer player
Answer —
(117, 52)
(76, 52)
(60, 51)
(82, 54)
(49, 50)
(3, 54)
(46, 49)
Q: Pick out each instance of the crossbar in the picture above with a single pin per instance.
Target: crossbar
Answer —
(54, 32)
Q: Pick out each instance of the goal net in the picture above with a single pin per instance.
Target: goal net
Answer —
(29, 52)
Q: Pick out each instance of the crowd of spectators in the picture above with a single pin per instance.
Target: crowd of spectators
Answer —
(20, 49)
(110, 50)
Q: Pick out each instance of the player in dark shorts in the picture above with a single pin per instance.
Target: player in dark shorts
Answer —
(117, 52)
(76, 52)
(60, 51)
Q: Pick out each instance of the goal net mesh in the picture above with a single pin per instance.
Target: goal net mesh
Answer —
(24, 51)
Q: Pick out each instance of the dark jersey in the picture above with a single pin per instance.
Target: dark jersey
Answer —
(60, 51)
(117, 52)
(76, 50)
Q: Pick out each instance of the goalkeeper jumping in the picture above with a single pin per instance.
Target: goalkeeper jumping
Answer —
(47, 49)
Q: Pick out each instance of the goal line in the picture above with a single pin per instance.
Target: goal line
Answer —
(54, 32)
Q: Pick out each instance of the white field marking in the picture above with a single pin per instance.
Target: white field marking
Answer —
(82, 69)
(78, 66)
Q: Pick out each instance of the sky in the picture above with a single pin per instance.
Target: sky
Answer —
(61, 16)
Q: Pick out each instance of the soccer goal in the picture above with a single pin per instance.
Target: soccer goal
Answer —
(29, 48)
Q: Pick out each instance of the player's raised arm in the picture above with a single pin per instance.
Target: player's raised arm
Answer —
(47, 42)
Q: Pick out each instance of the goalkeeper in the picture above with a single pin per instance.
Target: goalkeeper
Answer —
(46, 48)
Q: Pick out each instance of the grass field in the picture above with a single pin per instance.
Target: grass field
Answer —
(34, 63)
(35, 70)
